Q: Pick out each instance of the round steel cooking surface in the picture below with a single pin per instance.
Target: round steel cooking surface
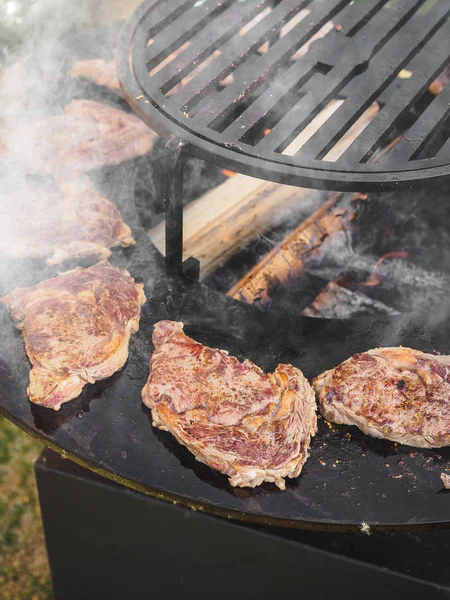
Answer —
(233, 79)
(349, 477)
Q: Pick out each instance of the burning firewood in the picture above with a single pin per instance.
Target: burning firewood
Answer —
(406, 287)
(338, 302)
(308, 242)
(227, 218)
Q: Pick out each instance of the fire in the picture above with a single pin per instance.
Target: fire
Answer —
(374, 279)
(228, 173)
(267, 131)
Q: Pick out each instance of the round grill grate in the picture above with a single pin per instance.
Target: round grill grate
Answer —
(272, 89)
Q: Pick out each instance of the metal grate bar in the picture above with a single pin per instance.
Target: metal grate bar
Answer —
(425, 67)
(422, 128)
(393, 56)
(204, 43)
(236, 51)
(282, 71)
(160, 14)
(347, 20)
(443, 155)
(354, 59)
(182, 29)
(263, 68)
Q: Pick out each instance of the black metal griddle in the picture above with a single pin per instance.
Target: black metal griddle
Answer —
(349, 478)
(358, 61)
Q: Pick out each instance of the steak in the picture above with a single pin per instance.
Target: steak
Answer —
(98, 71)
(232, 417)
(398, 394)
(89, 135)
(75, 221)
(76, 327)
(446, 480)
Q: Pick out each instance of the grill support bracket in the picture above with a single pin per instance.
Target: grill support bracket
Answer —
(175, 161)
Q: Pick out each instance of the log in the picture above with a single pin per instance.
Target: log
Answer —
(227, 218)
(309, 241)
(338, 302)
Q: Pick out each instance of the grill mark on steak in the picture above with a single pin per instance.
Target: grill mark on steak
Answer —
(399, 394)
(76, 328)
(248, 425)
(76, 221)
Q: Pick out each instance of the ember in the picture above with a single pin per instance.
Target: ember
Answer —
(374, 278)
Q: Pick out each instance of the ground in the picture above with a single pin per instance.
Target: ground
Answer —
(24, 569)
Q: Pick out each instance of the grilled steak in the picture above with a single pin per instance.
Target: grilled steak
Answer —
(89, 135)
(76, 221)
(77, 328)
(98, 71)
(250, 426)
(399, 394)
(446, 480)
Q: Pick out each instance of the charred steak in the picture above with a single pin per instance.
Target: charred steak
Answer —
(250, 426)
(89, 135)
(399, 394)
(77, 328)
(57, 224)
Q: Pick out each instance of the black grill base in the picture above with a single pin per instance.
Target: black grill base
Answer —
(106, 541)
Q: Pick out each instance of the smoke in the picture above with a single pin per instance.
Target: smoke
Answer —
(36, 84)
(42, 40)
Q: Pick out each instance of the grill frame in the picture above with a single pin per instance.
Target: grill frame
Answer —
(207, 144)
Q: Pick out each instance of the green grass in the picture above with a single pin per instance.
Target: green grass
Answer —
(24, 572)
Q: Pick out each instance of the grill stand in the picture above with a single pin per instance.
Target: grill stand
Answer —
(175, 161)
(107, 541)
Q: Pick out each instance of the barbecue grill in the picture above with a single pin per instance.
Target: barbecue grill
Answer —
(244, 110)
(358, 60)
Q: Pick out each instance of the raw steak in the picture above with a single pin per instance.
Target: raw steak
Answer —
(89, 135)
(250, 426)
(77, 328)
(75, 221)
(399, 394)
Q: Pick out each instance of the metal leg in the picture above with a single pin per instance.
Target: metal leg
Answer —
(174, 168)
